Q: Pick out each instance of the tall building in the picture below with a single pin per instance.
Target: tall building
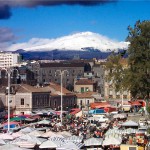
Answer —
(8, 59)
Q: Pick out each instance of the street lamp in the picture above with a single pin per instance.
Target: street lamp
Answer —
(61, 73)
(9, 71)
(122, 100)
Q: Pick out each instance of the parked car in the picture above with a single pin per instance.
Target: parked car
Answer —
(99, 118)
(142, 122)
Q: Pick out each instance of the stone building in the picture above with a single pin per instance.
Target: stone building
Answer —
(25, 98)
(50, 72)
(99, 76)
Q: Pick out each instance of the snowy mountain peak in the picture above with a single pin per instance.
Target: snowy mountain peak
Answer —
(77, 41)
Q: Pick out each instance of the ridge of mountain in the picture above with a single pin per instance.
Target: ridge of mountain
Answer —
(82, 41)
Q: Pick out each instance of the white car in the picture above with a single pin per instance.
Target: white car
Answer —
(99, 118)
(142, 122)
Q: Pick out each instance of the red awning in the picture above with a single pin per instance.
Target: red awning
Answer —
(136, 103)
(11, 116)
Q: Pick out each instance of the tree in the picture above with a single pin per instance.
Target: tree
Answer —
(117, 72)
(139, 59)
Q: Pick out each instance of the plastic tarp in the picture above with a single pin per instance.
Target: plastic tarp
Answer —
(97, 111)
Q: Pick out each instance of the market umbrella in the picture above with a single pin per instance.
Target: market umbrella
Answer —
(46, 122)
(36, 133)
(57, 135)
(48, 144)
(65, 134)
(112, 141)
(93, 142)
(10, 147)
(27, 130)
(70, 146)
(130, 123)
(74, 139)
(37, 140)
(2, 142)
(26, 144)
(49, 134)
(17, 119)
(6, 136)
(17, 134)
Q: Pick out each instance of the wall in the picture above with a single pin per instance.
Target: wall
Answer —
(77, 88)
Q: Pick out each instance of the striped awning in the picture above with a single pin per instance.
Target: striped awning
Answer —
(74, 139)
(70, 146)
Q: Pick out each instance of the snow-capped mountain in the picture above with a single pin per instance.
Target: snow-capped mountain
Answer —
(78, 41)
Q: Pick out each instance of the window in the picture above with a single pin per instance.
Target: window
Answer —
(82, 89)
(132, 148)
(88, 102)
(80, 102)
(87, 89)
(117, 96)
(125, 96)
(110, 96)
(22, 101)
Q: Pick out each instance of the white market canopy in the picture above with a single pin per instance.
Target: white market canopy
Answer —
(74, 139)
(130, 123)
(2, 142)
(112, 141)
(50, 144)
(46, 122)
(27, 130)
(70, 146)
(10, 147)
(93, 142)
(6, 136)
(36, 133)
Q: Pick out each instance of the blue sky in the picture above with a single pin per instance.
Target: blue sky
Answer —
(111, 20)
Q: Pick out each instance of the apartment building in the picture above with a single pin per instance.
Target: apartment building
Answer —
(8, 59)
(109, 89)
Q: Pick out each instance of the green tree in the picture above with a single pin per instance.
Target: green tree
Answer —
(116, 72)
(139, 59)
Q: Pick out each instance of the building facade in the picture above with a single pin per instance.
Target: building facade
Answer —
(84, 85)
(50, 72)
(109, 89)
(25, 98)
(8, 59)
